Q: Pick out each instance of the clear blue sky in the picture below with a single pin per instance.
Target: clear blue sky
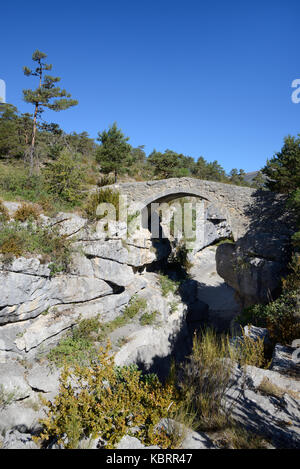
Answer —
(209, 78)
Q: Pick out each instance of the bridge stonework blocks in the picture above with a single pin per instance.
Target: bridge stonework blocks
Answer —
(232, 202)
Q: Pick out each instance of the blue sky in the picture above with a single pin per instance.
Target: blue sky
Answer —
(209, 78)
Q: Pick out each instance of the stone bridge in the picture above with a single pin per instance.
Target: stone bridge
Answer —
(222, 201)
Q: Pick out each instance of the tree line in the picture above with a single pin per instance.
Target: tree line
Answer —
(27, 137)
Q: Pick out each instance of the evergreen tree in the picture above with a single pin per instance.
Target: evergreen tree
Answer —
(114, 153)
(200, 168)
(46, 95)
(259, 181)
(14, 132)
(283, 173)
(168, 164)
(283, 170)
(215, 172)
(237, 177)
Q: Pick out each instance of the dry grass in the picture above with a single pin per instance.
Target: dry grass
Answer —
(4, 215)
(206, 379)
(270, 389)
(251, 352)
(237, 437)
(27, 212)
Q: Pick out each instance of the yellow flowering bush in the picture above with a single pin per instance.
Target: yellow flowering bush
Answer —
(102, 401)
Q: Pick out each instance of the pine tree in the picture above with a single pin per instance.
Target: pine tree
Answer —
(283, 170)
(46, 95)
(114, 153)
(168, 164)
(283, 173)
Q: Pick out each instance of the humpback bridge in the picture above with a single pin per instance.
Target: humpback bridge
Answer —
(222, 201)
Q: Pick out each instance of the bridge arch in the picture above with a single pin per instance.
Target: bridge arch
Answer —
(232, 202)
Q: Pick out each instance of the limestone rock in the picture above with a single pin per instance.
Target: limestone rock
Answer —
(256, 333)
(17, 440)
(43, 379)
(114, 272)
(286, 359)
(253, 278)
(130, 442)
(13, 381)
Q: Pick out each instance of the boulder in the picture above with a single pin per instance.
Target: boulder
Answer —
(287, 359)
(254, 278)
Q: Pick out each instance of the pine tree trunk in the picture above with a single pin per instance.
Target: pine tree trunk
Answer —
(116, 176)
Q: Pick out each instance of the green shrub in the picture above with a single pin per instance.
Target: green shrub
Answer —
(135, 306)
(18, 240)
(78, 347)
(99, 401)
(101, 196)
(148, 318)
(251, 352)
(180, 257)
(64, 178)
(278, 317)
(7, 397)
(167, 285)
(206, 378)
(16, 183)
(106, 180)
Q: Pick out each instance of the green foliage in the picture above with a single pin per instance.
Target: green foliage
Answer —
(64, 178)
(205, 379)
(15, 131)
(167, 285)
(7, 397)
(101, 196)
(15, 182)
(168, 164)
(114, 152)
(78, 347)
(211, 171)
(148, 318)
(135, 305)
(237, 177)
(283, 170)
(18, 240)
(278, 316)
(46, 95)
(105, 180)
(174, 306)
(259, 181)
(180, 256)
(99, 401)
(251, 351)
